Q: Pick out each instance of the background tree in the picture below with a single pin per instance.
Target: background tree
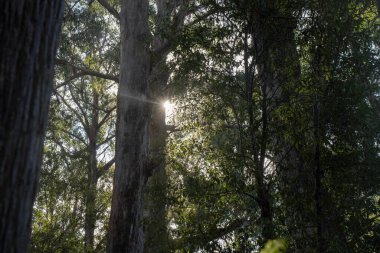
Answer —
(76, 182)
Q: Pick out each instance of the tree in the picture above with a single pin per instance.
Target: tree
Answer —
(132, 130)
(140, 127)
(29, 32)
(76, 171)
(75, 188)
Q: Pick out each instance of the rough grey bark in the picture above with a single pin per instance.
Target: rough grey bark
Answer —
(132, 130)
(141, 130)
(29, 33)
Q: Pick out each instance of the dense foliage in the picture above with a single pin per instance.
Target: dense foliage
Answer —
(273, 134)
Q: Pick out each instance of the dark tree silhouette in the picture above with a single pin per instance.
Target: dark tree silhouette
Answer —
(29, 33)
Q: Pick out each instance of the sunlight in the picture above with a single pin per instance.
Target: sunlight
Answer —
(169, 111)
(169, 107)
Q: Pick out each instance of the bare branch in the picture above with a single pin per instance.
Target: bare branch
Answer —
(106, 117)
(81, 120)
(214, 234)
(71, 78)
(82, 71)
(109, 8)
(105, 141)
(82, 110)
(106, 167)
(73, 135)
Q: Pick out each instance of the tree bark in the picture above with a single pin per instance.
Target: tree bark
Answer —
(132, 131)
(29, 33)
(144, 125)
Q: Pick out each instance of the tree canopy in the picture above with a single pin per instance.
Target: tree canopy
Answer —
(213, 126)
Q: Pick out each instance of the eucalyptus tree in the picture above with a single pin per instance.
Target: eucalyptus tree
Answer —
(140, 127)
(76, 177)
(29, 32)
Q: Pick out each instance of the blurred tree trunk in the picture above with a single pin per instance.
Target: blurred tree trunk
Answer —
(29, 33)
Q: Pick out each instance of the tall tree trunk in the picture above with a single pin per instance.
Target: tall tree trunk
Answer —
(295, 176)
(29, 32)
(278, 68)
(132, 131)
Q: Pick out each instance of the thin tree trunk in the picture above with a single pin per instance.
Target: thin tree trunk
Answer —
(29, 33)
(318, 179)
(262, 187)
(92, 176)
(259, 148)
(132, 131)
(90, 214)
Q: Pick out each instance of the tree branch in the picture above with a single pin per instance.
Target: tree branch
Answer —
(105, 167)
(106, 117)
(73, 135)
(213, 234)
(71, 78)
(109, 8)
(81, 71)
(105, 141)
(81, 109)
(81, 120)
